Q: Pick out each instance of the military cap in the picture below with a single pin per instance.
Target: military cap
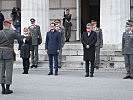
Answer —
(129, 22)
(57, 21)
(7, 21)
(93, 21)
(89, 24)
(32, 20)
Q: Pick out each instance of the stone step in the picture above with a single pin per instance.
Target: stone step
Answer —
(75, 64)
(72, 57)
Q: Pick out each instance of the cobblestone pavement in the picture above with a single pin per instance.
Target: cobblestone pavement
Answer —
(69, 85)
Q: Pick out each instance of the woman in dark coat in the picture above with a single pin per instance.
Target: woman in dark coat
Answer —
(89, 39)
(25, 48)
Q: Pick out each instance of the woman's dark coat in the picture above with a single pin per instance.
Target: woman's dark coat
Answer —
(25, 48)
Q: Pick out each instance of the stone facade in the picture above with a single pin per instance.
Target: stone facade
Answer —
(7, 5)
(56, 11)
(113, 14)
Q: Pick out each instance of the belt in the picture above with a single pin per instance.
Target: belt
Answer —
(6, 47)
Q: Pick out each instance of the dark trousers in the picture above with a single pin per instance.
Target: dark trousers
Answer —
(129, 64)
(26, 64)
(87, 67)
(67, 31)
(55, 56)
(34, 55)
(97, 56)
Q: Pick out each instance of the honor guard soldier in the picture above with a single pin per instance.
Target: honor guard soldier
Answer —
(127, 49)
(60, 29)
(99, 43)
(7, 55)
(67, 24)
(36, 40)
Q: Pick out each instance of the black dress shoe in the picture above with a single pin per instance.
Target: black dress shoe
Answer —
(56, 74)
(35, 66)
(3, 92)
(91, 75)
(23, 73)
(50, 73)
(97, 67)
(126, 77)
(87, 75)
(32, 66)
(131, 77)
(59, 66)
(8, 91)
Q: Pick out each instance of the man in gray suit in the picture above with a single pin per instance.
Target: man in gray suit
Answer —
(36, 40)
(61, 30)
(99, 43)
(7, 38)
(127, 49)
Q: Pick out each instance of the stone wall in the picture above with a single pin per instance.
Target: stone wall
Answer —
(57, 11)
(7, 5)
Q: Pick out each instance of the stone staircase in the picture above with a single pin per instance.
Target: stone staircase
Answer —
(73, 57)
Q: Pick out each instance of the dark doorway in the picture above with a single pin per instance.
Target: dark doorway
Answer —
(90, 10)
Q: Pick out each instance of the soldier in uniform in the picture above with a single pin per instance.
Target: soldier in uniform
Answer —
(61, 30)
(7, 38)
(36, 40)
(99, 43)
(127, 49)
(67, 24)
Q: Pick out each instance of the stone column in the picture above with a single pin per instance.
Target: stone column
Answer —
(38, 9)
(78, 13)
(113, 15)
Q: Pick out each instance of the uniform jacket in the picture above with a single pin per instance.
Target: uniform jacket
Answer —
(66, 20)
(89, 54)
(99, 37)
(11, 35)
(61, 30)
(53, 42)
(25, 46)
(127, 43)
(36, 33)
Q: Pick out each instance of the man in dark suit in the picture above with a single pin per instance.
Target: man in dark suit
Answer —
(36, 36)
(99, 43)
(52, 47)
(7, 38)
(89, 39)
(127, 49)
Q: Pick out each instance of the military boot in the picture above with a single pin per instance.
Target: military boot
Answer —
(7, 90)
